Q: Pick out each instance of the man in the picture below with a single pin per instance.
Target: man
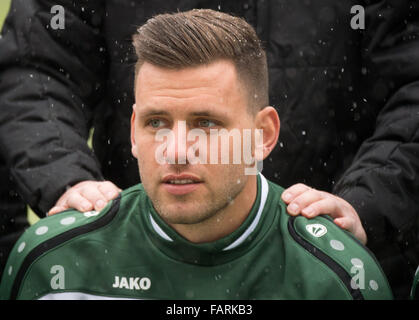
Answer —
(195, 229)
(340, 90)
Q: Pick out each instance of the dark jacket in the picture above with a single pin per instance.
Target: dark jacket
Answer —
(348, 102)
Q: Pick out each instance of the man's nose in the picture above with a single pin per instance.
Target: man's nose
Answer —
(176, 152)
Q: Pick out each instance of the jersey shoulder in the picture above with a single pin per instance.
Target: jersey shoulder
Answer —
(59, 230)
(414, 292)
(343, 254)
(47, 234)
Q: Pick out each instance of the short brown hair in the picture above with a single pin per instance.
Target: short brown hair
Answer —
(202, 36)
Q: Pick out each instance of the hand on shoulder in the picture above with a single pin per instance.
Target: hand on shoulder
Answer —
(309, 202)
(86, 196)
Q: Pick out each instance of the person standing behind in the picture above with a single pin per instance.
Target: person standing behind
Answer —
(13, 214)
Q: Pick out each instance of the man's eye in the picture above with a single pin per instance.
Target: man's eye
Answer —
(155, 123)
(206, 123)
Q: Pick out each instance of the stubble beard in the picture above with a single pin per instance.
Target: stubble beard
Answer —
(198, 210)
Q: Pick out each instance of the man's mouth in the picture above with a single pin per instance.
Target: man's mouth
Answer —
(181, 178)
(181, 184)
(182, 181)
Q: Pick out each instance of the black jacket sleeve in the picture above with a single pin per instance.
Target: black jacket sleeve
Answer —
(50, 82)
(382, 183)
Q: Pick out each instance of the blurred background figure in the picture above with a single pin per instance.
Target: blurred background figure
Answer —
(13, 213)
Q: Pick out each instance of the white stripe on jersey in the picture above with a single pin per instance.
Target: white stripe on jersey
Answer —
(79, 296)
(159, 230)
(264, 196)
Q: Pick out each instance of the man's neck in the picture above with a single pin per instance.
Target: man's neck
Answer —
(225, 221)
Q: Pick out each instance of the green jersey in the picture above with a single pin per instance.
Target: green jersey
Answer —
(127, 251)
(414, 292)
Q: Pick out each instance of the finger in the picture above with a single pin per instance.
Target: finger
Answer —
(62, 201)
(77, 201)
(327, 205)
(55, 210)
(94, 196)
(354, 226)
(108, 190)
(304, 200)
(294, 191)
(344, 223)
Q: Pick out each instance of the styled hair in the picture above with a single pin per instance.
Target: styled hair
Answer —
(201, 37)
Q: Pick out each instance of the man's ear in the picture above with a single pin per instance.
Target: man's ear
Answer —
(267, 121)
(133, 142)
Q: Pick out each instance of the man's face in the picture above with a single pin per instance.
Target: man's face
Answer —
(204, 97)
